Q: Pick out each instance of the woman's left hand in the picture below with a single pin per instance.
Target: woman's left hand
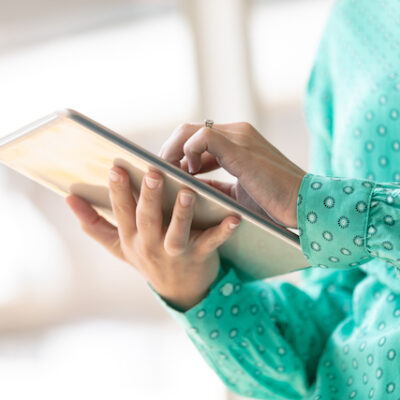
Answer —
(179, 263)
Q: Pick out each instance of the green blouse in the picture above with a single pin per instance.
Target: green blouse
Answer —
(337, 335)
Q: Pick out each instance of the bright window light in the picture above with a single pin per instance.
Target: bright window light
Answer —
(284, 36)
(135, 76)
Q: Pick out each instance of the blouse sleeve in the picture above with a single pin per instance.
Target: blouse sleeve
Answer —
(263, 339)
(346, 222)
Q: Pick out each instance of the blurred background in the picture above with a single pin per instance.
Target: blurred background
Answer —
(74, 322)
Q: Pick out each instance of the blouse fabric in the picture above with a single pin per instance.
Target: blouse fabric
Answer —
(337, 334)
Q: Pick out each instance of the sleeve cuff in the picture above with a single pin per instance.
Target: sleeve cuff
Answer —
(332, 218)
(224, 275)
(225, 286)
(382, 225)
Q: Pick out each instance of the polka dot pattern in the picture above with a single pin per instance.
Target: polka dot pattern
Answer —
(271, 341)
(324, 242)
(337, 338)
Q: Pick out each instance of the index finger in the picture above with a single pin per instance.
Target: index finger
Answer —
(172, 149)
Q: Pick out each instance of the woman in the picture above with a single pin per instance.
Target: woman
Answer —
(337, 336)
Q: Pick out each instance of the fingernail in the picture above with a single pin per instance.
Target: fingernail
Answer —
(152, 183)
(233, 225)
(114, 176)
(191, 169)
(186, 199)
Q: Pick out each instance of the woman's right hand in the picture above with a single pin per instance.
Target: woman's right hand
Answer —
(265, 177)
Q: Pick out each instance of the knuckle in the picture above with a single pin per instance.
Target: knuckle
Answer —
(147, 195)
(203, 135)
(147, 251)
(145, 221)
(216, 239)
(121, 185)
(188, 147)
(174, 248)
(183, 127)
(243, 139)
(212, 244)
(182, 216)
(121, 208)
(93, 221)
(206, 132)
(244, 125)
(220, 236)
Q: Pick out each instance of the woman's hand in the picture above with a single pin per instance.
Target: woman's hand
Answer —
(179, 264)
(265, 176)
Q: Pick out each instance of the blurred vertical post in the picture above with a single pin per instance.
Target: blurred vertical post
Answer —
(220, 34)
(224, 66)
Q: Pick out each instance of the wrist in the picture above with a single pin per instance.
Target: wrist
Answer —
(183, 295)
(183, 303)
(291, 209)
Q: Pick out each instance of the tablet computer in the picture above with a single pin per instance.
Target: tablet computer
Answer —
(71, 154)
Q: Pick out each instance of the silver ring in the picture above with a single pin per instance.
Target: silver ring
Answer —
(208, 123)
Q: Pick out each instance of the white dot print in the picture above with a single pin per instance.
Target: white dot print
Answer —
(235, 310)
(214, 334)
(233, 333)
(227, 289)
(369, 146)
(381, 130)
(281, 351)
(389, 199)
(315, 246)
(335, 335)
(370, 359)
(383, 161)
(391, 355)
(382, 341)
(390, 387)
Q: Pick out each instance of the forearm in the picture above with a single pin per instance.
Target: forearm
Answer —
(262, 339)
